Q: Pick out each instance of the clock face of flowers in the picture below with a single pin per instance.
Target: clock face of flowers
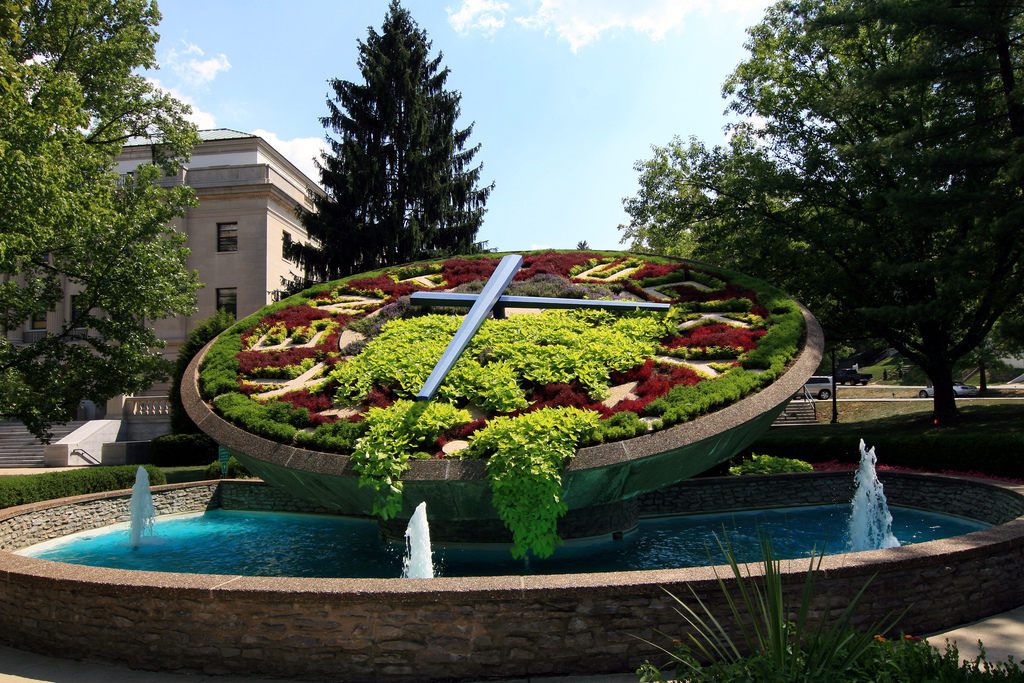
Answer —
(336, 369)
(318, 364)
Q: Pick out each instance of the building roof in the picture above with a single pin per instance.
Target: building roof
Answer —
(204, 135)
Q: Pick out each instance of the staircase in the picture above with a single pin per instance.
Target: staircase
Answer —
(18, 448)
(797, 412)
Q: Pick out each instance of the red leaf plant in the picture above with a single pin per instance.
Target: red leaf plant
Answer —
(300, 315)
(458, 271)
(384, 283)
(552, 263)
(250, 360)
(652, 270)
(717, 334)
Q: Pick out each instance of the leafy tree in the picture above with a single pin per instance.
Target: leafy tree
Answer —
(582, 245)
(69, 100)
(398, 182)
(878, 170)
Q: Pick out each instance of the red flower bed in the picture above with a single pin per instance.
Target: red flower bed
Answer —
(458, 271)
(649, 270)
(250, 360)
(379, 398)
(560, 395)
(717, 334)
(385, 284)
(552, 263)
(301, 398)
(653, 382)
(299, 315)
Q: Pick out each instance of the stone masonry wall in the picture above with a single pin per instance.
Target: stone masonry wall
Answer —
(980, 501)
(474, 628)
(30, 524)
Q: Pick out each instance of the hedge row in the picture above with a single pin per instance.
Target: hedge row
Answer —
(32, 488)
(995, 453)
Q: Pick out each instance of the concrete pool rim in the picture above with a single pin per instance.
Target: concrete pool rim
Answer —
(406, 629)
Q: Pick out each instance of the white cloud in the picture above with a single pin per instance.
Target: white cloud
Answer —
(484, 16)
(581, 22)
(202, 119)
(299, 151)
(189, 65)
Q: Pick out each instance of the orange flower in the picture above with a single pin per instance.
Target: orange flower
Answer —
(880, 638)
(913, 639)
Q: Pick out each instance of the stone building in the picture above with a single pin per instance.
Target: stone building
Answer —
(248, 195)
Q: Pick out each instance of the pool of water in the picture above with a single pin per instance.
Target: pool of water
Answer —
(276, 544)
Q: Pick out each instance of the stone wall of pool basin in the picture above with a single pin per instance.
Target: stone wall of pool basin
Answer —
(471, 628)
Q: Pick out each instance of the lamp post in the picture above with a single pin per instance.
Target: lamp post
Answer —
(835, 405)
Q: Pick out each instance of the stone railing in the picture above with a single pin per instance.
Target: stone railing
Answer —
(147, 405)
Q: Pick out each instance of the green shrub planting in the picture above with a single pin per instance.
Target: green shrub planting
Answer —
(768, 464)
(338, 437)
(236, 470)
(32, 488)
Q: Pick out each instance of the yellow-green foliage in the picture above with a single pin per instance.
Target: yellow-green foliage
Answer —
(525, 469)
(557, 346)
(769, 464)
(393, 436)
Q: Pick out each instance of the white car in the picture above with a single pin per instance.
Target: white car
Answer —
(958, 390)
(819, 386)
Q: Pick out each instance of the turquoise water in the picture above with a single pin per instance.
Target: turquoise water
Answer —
(273, 544)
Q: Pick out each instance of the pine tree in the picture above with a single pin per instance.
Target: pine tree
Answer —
(398, 181)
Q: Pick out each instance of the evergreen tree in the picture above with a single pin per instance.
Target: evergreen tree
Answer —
(398, 181)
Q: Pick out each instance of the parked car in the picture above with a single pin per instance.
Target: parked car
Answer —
(852, 377)
(819, 386)
(958, 390)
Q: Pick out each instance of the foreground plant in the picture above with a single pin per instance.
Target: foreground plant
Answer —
(762, 637)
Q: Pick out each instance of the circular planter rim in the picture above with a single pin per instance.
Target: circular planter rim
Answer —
(601, 455)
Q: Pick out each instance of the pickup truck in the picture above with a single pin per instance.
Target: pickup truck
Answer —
(852, 377)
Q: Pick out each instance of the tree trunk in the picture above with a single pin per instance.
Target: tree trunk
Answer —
(944, 406)
(982, 378)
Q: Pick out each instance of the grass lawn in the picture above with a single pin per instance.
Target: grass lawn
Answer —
(868, 411)
(898, 372)
(988, 439)
(916, 416)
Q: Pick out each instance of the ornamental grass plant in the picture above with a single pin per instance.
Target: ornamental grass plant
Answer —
(761, 636)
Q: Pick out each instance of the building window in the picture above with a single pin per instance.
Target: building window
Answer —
(38, 321)
(227, 237)
(227, 300)
(78, 310)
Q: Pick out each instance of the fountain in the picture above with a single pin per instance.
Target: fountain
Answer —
(476, 627)
(418, 563)
(141, 508)
(870, 519)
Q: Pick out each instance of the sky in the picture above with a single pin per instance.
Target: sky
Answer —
(564, 96)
